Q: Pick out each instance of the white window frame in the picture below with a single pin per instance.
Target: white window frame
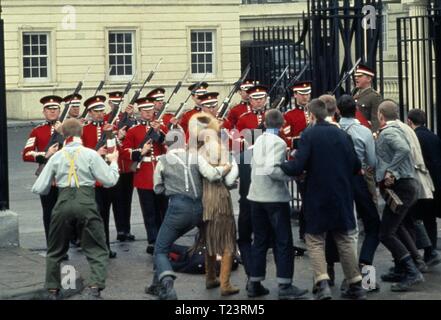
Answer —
(49, 55)
(214, 51)
(134, 32)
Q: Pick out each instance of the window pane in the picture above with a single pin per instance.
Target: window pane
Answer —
(34, 50)
(43, 62)
(120, 59)
(129, 70)
(43, 72)
(128, 60)
(201, 37)
(120, 48)
(201, 47)
(193, 36)
(34, 72)
(208, 58)
(201, 58)
(209, 36)
(194, 47)
(209, 68)
(120, 70)
(26, 50)
(209, 47)
(34, 62)
(112, 61)
(43, 50)
(128, 37)
(201, 68)
(26, 39)
(26, 62)
(43, 38)
(112, 48)
(194, 68)
(34, 39)
(128, 48)
(193, 58)
(119, 37)
(111, 37)
(26, 72)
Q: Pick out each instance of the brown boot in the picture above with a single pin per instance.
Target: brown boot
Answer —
(225, 273)
(210, 272)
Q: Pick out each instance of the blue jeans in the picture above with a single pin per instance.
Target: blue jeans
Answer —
(183, 214)
(272, 225)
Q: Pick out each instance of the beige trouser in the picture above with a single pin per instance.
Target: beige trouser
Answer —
(315, 244)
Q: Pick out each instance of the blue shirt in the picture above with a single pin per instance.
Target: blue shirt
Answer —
(363, 140)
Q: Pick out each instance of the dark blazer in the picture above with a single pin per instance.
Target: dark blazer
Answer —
(327, 155)
(431, 149)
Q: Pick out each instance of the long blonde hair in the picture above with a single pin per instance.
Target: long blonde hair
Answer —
(204, 134)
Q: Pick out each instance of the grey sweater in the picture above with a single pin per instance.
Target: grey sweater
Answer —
(268, 182)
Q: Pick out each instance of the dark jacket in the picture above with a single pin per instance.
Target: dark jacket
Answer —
(327, 155)
(431, 149)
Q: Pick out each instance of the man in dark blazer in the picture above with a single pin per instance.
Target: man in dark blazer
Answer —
(428, 209)
(328, 198)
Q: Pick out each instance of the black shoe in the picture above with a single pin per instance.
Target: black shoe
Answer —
(130, 237)
(395, 274)
(65, 258)
(121, 236)
(433, 259)
(354, 291)
(150, 249)
(112, 254)
(321, 291)
(331, 274)
(291, 292)
(91, 293)
(153, 289)
(421, 265)
(412, 276)
(299, 252)
(167, 292)
(255, 289)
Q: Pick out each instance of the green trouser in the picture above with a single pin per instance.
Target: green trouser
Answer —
(76, 211)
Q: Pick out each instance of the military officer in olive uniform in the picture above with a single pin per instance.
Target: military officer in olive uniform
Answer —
(366, 97)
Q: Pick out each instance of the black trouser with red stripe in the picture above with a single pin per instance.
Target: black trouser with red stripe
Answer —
(47, 203)
(122, 202)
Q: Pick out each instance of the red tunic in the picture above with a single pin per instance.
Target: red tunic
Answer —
(186, 118)
(363, 121)
(37, 142)
(235, 112)
(91, 134)
(143, 178)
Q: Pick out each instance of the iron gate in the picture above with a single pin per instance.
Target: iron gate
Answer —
(419, 54)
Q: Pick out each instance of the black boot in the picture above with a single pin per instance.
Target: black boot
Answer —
(395, 274)
(167, 292)
(321, 290)
(155, 288)
(420, 264)
(291, 292)
(255, 289)
(355, 291)
(412, 276)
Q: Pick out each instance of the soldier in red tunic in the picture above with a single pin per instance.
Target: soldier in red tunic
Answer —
(36, 150)
(92, 133)
(146, 156)
(243, 107)
(196, 92)
(74, 100)
(247, 125)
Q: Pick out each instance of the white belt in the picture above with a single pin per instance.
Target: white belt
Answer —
(147, 159)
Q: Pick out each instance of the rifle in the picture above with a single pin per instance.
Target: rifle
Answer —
(223, 110)
(113, 115)
(181, 107)
(346, 75)
(175, 91)
(135, 97)
(290, 84)
(98, 89)
(275, 85)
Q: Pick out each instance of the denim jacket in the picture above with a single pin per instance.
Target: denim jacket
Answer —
(393, 153)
